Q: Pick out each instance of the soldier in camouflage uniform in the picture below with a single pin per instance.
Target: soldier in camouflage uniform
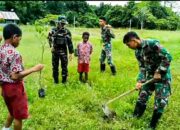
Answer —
(154, 62)
(59, 40)
(106, 35)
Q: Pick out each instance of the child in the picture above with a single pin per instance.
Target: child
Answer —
(84, 51)
(11, 75)
(154, 62)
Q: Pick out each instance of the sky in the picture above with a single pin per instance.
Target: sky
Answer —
(176, 3)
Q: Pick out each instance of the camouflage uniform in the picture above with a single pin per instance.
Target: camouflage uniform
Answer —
(60, 39)
(106, 35)
(153, 57)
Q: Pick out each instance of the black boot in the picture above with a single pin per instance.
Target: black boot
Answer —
(64, 79)
(56, 80)
(55, 77)
(139, 109)
(155, 118)
(103, 67)
(113, 70)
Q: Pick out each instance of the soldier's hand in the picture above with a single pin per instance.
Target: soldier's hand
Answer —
(70, 57)
(52, 49)
(0, 38)
(138, 85)
(157, 75)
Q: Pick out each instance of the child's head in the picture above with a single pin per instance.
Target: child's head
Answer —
(85, 36)
(12, 33)
(132, 40)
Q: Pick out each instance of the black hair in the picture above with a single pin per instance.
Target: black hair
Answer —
(86, 33)
(10, 30)
(103, 18)
(128, 36)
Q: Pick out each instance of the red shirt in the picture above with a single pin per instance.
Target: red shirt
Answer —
(10, 61)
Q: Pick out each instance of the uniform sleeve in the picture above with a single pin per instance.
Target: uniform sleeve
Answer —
(69, 42)
(16, 64)
(110, 33)
(50, 40)
(165, 57)
(141, 75)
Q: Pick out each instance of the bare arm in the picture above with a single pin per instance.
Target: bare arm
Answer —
(22, 74)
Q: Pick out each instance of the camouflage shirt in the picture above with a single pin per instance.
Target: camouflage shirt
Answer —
(153, 57)
(106, 35)
(60, 39)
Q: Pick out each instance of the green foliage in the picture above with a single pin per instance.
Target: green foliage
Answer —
(145, 14)
(76, 106)
(114, 16)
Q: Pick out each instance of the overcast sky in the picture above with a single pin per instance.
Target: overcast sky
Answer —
(176, 3)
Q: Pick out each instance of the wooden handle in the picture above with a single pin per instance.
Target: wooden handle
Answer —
(128, 92)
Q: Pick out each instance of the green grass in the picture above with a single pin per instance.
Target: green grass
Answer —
(76, 106)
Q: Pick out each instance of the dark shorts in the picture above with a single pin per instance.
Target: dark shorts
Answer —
(83, 67)
(16, 99)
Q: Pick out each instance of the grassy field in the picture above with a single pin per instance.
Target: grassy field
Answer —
(77, 106)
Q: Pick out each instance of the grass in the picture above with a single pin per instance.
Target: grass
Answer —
(76, 106)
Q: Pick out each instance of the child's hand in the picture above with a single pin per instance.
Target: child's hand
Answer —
(37, 67)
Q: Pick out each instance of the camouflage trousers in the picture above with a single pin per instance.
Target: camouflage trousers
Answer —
(106, 53)
(56, 57)
(162, 92)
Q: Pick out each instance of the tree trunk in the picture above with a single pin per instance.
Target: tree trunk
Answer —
(142, 25)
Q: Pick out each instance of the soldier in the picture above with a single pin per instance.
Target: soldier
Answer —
(59, 40)
(154, 62)
(106, 35)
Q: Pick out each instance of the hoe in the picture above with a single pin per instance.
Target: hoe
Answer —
(111, 114)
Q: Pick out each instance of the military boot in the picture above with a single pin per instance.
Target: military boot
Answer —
(103, 67)
(56, 80)
(139, 109)
(155, 118)
(64, 79)
(113, 70)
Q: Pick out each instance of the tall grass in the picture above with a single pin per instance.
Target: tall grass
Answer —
(75, 106)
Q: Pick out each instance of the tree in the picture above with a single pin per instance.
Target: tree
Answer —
(102, 9)
(115, 16)
(141, 15)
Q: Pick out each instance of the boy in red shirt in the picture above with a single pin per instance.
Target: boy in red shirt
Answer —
(11, 77)
(84, 51)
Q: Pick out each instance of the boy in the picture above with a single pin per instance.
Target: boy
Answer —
(11, 76)
(106, 36)
(154, 62)
(84, 51)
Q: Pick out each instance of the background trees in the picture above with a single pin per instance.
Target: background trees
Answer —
(146, 14)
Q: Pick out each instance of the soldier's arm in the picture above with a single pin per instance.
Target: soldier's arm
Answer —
(142, 71)
(49, 39)
(165, 57)
(69, 43)
(109, 31)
